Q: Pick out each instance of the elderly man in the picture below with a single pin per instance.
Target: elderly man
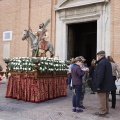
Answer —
(103, 82)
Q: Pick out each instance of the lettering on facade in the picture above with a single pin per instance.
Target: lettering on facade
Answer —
(80, 10)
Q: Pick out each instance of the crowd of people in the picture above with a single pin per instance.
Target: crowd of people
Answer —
(100, 78)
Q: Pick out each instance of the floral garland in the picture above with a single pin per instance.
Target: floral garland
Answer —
(44, 64)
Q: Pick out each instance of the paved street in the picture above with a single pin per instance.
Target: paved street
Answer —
(57, 109)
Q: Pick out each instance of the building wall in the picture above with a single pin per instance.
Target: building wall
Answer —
(14, 16)
(115, 30)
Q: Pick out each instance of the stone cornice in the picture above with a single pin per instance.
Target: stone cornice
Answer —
(78, 3)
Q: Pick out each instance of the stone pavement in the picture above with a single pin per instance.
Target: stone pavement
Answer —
(57, 109)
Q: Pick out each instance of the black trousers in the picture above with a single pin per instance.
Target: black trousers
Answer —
(113, 94)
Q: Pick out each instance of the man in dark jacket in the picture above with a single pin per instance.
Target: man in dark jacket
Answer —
(103, 82)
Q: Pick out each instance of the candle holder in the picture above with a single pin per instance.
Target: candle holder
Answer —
(36, 61)
(7, 61)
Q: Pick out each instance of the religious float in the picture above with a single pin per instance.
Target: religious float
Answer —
(37, 78)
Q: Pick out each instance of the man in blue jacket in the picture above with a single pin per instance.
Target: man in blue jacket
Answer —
(103, 82)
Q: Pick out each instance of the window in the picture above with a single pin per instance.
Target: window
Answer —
(7, 35)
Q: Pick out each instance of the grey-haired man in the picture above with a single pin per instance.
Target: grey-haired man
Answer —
(103, 82)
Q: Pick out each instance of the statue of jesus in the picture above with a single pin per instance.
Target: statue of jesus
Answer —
(43, 41)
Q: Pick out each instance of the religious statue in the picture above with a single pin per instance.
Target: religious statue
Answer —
(43, 40)
(39, 41)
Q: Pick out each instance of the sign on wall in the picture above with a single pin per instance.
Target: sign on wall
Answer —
(7, 35)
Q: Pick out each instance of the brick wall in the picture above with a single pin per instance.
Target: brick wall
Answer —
(115, 30)
(14, 16)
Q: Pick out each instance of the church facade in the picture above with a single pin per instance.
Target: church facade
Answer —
(77, 27)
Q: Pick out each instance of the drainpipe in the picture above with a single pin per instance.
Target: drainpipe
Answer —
(55, 2)
(51, 20)
(29, 16)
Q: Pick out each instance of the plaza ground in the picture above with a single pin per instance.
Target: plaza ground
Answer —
(56, 109)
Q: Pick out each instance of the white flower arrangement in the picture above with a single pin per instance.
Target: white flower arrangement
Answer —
(25, 64)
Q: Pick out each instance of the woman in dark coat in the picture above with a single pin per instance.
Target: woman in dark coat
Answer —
(77, 74)
(115, 74)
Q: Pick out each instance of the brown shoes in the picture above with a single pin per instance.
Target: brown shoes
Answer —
(83, 107)
(96, 113)
(100, 115)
